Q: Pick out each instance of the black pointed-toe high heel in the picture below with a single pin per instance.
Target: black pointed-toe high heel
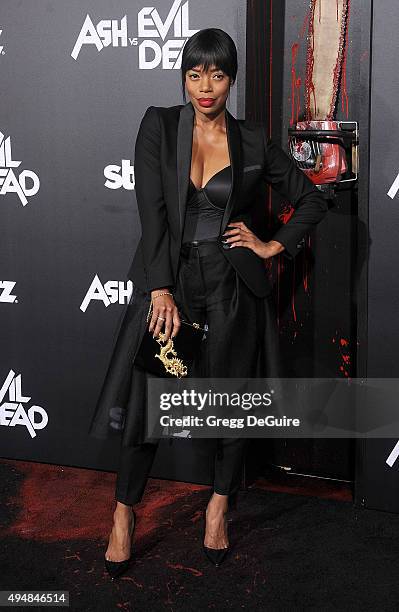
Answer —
(215, 555)
(117, 568)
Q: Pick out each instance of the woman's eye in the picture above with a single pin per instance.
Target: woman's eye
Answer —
(220, 76)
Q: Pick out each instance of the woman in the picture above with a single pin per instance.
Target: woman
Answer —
(198, 171)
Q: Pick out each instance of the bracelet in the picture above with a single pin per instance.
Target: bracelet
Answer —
(164, 293)
(151, 303)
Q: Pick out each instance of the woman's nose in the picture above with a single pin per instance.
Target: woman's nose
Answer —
(205, 85)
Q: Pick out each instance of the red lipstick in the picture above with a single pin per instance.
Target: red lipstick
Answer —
(206, 101)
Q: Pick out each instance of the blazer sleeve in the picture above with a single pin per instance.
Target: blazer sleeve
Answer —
(150, 202)
(290, 182)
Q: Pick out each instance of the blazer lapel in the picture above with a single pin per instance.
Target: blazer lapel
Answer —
(184, 152)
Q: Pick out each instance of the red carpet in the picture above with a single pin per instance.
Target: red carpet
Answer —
(308, 550)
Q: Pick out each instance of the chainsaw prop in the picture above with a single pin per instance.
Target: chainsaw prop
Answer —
(326, 150)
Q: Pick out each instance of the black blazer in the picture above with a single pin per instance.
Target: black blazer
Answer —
(162, 163)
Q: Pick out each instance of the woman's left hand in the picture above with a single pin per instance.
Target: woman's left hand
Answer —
(241, 235)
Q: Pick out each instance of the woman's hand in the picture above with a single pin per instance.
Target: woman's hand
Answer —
(164, 306)
(241, 235)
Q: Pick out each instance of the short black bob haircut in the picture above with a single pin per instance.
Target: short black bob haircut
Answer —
(207, 47)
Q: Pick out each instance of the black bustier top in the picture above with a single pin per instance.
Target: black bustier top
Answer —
(205, 206)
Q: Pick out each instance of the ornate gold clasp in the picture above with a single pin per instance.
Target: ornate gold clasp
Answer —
(169, 358)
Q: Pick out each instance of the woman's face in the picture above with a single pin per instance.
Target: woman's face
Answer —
(208, 91)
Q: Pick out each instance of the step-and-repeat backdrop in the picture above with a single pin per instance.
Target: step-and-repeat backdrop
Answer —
(379, 458)
(76, 78)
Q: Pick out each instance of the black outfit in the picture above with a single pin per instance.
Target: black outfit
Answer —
(162, 163)
(205, 207)
(208, 290)
(227, 288)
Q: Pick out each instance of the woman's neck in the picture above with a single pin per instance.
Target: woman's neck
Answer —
(210, 122)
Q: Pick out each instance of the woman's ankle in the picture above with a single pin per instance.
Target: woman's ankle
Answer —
(123, 512)
(218, 503)
(122, 507)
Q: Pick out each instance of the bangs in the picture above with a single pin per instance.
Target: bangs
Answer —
(207, 58)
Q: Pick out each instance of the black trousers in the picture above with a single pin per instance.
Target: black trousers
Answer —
(207, 291)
